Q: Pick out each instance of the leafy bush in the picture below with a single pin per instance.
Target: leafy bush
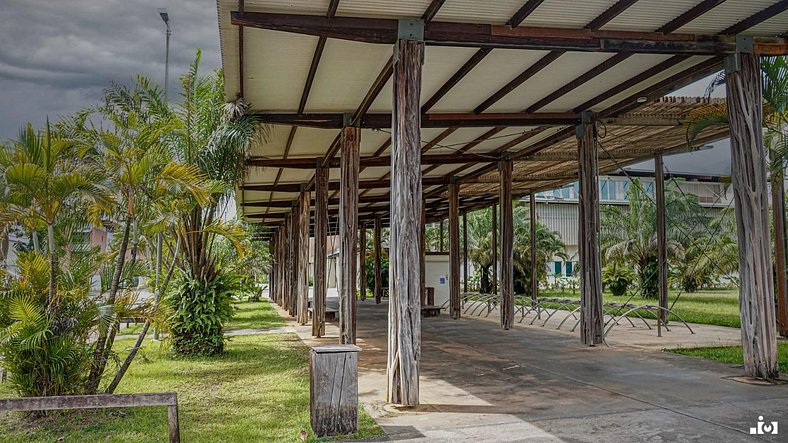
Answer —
(199, 312)
(46, 352)
(617, 279)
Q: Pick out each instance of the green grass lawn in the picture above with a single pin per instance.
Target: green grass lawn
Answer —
(257, 391)
(733, 354)
(711, 307)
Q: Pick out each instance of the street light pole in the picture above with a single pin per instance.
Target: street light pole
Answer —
(166, 18)
(160, 238)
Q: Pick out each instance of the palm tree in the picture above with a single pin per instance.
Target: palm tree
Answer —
(630, 233)
(45, 174)
(548, 245)
(140, 169)
(214, 137)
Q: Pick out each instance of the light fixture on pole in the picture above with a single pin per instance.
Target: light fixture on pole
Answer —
(166, 18)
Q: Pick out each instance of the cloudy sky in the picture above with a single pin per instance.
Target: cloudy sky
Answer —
(57, 55)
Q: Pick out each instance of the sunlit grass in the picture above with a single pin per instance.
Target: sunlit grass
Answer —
(732, 354)
(257, 391)
(711, 307)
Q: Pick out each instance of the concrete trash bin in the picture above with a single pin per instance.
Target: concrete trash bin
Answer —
(333, 390)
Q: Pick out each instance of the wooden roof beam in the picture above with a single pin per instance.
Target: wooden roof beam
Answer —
(436, 120)
(384, 31)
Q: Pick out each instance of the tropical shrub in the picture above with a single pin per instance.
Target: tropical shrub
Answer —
(199, 311)
(617, 279)
(46, 353)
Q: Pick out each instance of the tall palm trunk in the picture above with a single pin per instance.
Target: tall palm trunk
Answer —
(99, 358)
(53, 267)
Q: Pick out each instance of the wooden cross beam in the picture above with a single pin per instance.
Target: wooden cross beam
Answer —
(438, 120)
(481, 35)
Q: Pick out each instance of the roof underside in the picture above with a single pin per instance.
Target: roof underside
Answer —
(292, 73)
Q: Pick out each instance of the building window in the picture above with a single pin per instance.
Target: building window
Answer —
(569, 268)
(557, 267)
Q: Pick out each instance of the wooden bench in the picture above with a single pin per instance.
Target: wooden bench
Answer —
(129, 320)
(103, 401)
(331, 314)
(430, 311)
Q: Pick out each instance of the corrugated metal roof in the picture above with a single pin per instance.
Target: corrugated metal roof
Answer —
(276, 66)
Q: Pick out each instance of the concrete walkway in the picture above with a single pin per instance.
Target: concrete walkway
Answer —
(480, 383)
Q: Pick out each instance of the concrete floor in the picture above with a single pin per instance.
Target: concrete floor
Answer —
(480, 383)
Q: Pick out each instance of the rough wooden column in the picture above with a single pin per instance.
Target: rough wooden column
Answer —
(748, 173)
(404, 335)
(441, 231)
(295, 237)
(507, 244)
(348, 227)
(280, 274)
(321, 233)
(362, 260)
(422, 249)
(662, 252)
(454, 249)
(534, 265)
(303, 258)
(591, 320)
(494, 249)
(778, 214)
(464, 252)
(378, 263)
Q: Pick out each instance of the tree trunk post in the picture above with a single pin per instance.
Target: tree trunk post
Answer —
(441, 232)
(348, 229)
(534, 265)
(662, 252)
(464, 252)
(494, 249)
(778, 214)
(362, 260)
(282, 287)
(454, 248)
(405, 279)
(378, 263)
(321, 233)
(295, 236)
(422, 249)
(303, 258)
(748, 171)
(591, 320)
(507, 243)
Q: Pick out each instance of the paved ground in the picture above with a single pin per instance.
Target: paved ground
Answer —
(480, 383)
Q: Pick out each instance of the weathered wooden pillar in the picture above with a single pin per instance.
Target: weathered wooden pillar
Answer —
(321, 234)
(748, 173)
(272, 283)
(295, 238)
(507, 243)
(378, 263)
(662, 251)
(534, 264)
(494, 249)
(454, 249)
(362, 260)
(348, 227)
(422, 249)
(591, 320)
(303, 258)
(464, 252)
(405, 279)
(778, 214)
(280, 277)
(441, 232)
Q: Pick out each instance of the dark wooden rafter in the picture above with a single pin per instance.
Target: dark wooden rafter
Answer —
(384, 31)
(310, 78)
(436, 120)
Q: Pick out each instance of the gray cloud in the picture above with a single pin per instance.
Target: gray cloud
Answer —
(57, 55)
